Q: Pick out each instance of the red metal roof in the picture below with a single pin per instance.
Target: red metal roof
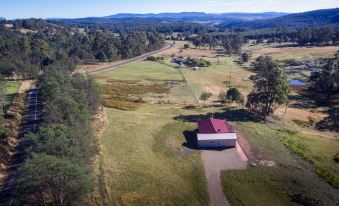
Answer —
(211, 126)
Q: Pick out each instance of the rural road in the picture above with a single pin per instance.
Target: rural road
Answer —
(127, 61)
(217, 161)
(29, 123)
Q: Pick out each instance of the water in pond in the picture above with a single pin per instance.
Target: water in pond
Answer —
(296, 82)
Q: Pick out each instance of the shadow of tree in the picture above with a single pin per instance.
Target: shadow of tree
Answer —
(302, 102)
(331, 122)
(239, 115)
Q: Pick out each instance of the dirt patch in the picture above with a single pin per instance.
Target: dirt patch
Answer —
(252, 153)
(25, 86)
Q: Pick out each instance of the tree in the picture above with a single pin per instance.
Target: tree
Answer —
(328, 80)
(245, 57)
(41, 51)
(234, 95)
(59, 180)
(263, 62)
(57, 140)
(101, 56)
(197, 41)
(270, 88)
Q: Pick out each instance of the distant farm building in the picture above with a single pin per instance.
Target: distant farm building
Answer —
(215, 133)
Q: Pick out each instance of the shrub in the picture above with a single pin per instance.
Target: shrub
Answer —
(233, 94)
(223, 97)
(154, 59)
(245, 57)
(205, 96)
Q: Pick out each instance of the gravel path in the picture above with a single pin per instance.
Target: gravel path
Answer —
(216, 161)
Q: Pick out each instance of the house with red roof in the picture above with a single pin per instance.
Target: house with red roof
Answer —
(215, 133)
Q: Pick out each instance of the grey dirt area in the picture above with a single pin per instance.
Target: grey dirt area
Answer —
(216, 161)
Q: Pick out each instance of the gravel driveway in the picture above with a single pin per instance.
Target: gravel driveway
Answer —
(216, 161)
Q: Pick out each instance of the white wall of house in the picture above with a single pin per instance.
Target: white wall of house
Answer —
(217, 140)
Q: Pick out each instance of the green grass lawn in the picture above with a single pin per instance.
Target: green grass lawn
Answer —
(291, 178)
(142, 70)
(11, 88)
(143, 161)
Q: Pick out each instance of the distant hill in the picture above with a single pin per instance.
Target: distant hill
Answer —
(224, 20)
(312, 18)
(200, 17)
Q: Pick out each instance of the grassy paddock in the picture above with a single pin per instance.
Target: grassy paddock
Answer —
(296, 53)
(292, 180)
(142, 70)
(315, 150)
(11, 88)
(143, 161)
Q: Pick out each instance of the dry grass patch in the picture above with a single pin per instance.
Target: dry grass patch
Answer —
(301, 53)
(129, 94)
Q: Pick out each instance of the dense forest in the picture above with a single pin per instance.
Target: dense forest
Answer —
(25, 54)
(65, 143)
(303, 36)
(230, 42)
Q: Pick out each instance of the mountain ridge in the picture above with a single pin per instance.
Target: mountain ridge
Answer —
(320, 17)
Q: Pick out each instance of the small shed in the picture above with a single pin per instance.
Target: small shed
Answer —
(215, 133)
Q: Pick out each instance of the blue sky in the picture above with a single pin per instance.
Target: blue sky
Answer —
(12, 9)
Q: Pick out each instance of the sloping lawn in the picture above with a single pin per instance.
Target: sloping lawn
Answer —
(144, 163)
(293, 180)
(142, 70)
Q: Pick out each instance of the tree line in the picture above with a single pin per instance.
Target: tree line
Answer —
(326, 82)
(58, 169)
(314, 36)
(26, 54)
(230, 42)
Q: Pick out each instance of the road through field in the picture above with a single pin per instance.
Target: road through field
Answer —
(121, 63)
(29, 123)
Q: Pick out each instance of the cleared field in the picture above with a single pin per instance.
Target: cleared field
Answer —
(144, 162)
(283, 52)
(223, 74)
(10, 89)
(142, 70)
(178, 50)
(143, 159)
(292, 180)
